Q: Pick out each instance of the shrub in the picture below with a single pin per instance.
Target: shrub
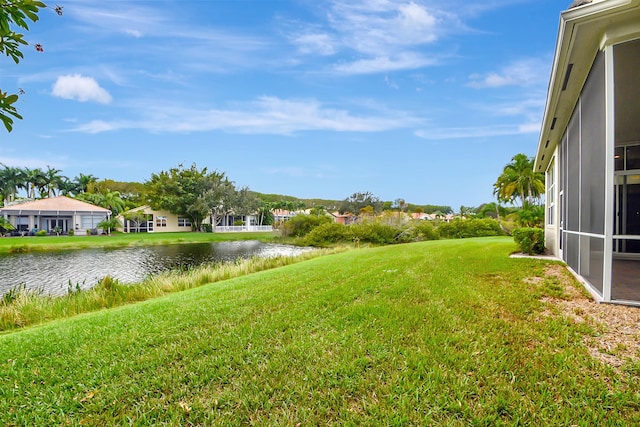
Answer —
(422, 230)
(464, 228)
(71, 232)
(328, 233)
(529, 240)
(376, 233)
(41, 233)
(301, 225)
(530, 216)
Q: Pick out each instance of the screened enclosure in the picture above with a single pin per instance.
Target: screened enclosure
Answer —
(625, 283)
(612, 271)
(581, 184)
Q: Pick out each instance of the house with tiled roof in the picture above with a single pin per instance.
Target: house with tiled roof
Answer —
(56, 213)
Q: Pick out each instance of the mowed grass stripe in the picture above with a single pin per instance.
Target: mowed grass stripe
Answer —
(444, 332)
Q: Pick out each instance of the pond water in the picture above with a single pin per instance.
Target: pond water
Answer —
(53, 272)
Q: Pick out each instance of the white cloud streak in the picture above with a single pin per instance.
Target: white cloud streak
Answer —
(265, 115)
(376, 36)
(477, 132)
(525, 72)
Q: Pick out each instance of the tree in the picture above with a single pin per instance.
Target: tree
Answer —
(66, 187)
(83, 181)
(400, 205)
(189, 192)
(357, 201)
(113, 202)
(5, 225)
(11, 179)
(265, 214)
(518, 181)
(35, 179)
(220, 197)
(246, 202)
(51, 181)
(137, 217)
(466, 211)
(16, 13)
(109, 224)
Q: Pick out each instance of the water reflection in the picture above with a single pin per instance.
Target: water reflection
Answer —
(54, 272)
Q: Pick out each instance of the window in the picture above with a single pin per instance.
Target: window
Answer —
(161, 221)
(184, 222)
(551, 193)
(91, 221)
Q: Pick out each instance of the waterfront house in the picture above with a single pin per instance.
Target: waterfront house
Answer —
(56, 214)
(143, 219)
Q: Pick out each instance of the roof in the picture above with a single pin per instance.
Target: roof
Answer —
(577, 3)
(55, 204)
(584, 29)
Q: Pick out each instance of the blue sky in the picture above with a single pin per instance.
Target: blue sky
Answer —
(421, 100)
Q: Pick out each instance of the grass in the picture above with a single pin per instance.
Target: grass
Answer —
(432, 333)
(21, 307)
(47, 243)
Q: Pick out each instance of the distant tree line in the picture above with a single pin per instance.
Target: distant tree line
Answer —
(187, 191)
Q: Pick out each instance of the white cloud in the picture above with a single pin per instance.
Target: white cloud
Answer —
(525, 72)
(315, 43)
(381, 64)
(477, 132)
(135, 33)
(98, 126)
(372, 27)
(80, 88)
(376, 36)
(390, 83)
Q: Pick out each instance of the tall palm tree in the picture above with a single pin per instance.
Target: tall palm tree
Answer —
(518, 181)
(35, 179)
(83, 181)
(67, 187)
(11, 179)
(113, 202)
(52, 181)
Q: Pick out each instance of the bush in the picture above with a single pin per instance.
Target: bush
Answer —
(41, 233)
(71, 232)
(301, 225)
(422, 230)
(328, 233)
(376, 233)
(465, 228)
(529, 240)
(530, 216)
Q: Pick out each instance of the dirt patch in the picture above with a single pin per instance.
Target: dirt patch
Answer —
(618, 337)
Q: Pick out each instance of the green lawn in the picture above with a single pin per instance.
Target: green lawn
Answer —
(434, 333)
(45, 243)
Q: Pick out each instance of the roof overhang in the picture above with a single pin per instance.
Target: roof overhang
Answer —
(583, 31)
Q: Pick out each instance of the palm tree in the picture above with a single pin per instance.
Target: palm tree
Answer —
(67, 187)
(113, 202)
(52, 181)
(5, 225)
(11, 179)
(35, 179)
(518, 181)
(83, 181)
